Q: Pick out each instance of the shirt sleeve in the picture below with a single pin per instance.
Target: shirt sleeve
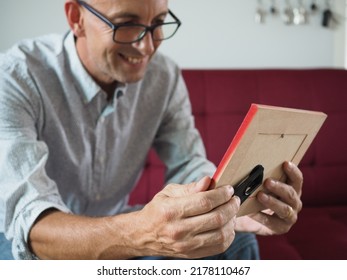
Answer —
(25, 189)
(178, 142)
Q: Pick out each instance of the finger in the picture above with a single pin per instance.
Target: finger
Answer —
(283, 192)
(216, 218)
(204, 202)
(289, 214)
(270, 224)
(202, 185)
(281, 209)
(294, 176)
(207, 243)
(219, 239)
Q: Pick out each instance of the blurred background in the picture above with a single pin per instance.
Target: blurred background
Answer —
(219, 33)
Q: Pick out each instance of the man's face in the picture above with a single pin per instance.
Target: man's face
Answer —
(108, 61)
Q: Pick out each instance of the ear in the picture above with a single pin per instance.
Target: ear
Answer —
(74, 18)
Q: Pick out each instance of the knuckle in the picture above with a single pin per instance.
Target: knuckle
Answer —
(219, 219)
(174, 233)
(179, 248)
(167, 214)
(221, 237)
(206, 203)
(235, 208)
(227, 239)
(292, 194)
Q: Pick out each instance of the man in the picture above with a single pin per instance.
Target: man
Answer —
(77, 117)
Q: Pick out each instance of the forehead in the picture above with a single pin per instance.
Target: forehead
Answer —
(133, 6)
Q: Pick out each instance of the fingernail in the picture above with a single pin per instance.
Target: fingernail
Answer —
(290, 165)
(263, 197)
(200, 182)
(231, 189)
(271, 183)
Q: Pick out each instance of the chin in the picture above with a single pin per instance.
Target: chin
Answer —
(129, 78)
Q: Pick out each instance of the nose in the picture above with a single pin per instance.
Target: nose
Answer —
(147, 46)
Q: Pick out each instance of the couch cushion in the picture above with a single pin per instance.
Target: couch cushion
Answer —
(320, 233)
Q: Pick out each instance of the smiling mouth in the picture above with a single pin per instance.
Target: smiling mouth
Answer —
(132, 60)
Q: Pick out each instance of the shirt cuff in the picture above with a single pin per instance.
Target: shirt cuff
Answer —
(24, 222)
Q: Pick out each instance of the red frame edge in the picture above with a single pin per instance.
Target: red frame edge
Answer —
(234, 143)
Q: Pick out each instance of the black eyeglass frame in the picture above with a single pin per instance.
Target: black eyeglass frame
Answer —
(114, 27)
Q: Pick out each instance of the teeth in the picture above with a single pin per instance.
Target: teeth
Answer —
(133, 60)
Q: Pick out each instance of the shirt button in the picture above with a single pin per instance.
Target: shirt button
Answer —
(102, 120)
(98, 197)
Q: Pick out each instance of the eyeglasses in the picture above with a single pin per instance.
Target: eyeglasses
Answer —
(127, 33)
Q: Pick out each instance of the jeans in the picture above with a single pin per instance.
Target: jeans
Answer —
(5, 248)
(244, 247)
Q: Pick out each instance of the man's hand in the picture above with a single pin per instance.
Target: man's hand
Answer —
(182, 221)
(189, 221)
(282, 202)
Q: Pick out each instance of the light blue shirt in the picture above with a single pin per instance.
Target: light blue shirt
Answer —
(64, 145)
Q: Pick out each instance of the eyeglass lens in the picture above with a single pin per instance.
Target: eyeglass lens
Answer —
(125, 34)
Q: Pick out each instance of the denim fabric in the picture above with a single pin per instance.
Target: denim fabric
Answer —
(5, 248)
(244, 247)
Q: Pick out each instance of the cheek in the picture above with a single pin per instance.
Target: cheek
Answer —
(103, 49)
(101, 38)
(97, 43)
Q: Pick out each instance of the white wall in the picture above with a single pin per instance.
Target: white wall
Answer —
(27, 18)
(340, 35)
(214, 34)
(223, 33)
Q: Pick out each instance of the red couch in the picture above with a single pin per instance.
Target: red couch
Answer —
(220, 99)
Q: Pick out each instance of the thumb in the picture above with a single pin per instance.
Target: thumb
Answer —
(202, 185)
